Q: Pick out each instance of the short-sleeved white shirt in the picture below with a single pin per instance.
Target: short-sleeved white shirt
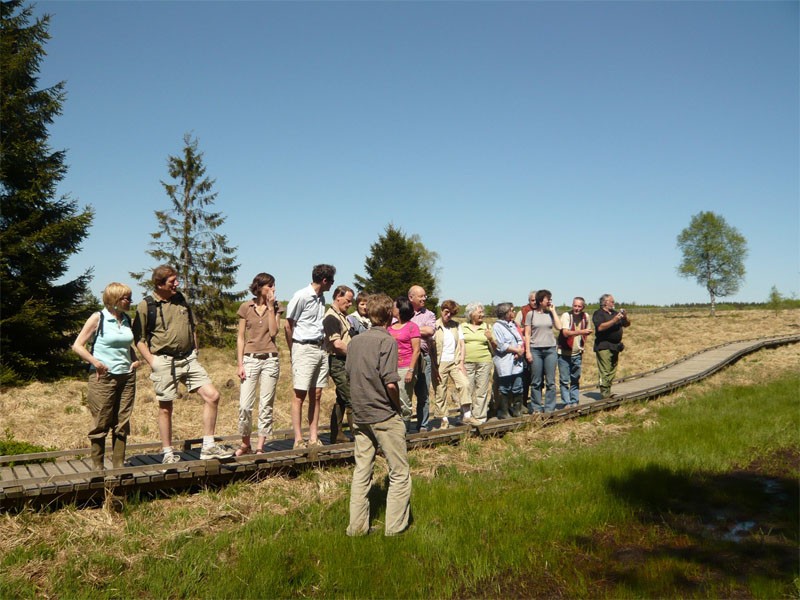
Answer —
(307, 310)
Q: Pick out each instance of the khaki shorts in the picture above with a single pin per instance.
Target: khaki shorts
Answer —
(309, 367)
(168, 371)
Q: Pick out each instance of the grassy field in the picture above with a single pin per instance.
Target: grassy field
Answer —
(691, 495)
(645, 501)
(55, 415)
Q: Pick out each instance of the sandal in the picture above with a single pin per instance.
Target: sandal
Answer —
(243, 449)
(259, 451)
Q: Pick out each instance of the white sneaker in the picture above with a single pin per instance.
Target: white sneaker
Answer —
(217, 451)
(170, 459)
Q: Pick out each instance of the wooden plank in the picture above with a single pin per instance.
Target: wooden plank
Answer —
(21, 472)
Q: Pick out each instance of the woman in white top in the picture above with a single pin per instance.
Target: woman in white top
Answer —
(540, 345)
(112, 378)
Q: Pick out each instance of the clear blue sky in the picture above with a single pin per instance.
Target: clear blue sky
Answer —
(530, 144)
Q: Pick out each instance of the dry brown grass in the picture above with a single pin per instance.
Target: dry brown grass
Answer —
(56, 414)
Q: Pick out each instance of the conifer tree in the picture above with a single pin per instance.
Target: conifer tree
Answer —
(396, 262)
(188, 238)
(38, 231)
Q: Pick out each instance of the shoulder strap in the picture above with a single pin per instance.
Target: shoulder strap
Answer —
(98, 331)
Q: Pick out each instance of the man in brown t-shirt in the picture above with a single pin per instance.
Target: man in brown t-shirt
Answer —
(169, 345)
(372, 367)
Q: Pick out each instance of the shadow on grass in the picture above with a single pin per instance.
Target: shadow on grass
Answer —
(377, 495)
(695, 532)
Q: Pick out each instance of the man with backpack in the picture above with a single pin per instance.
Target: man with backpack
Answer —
(165, 336)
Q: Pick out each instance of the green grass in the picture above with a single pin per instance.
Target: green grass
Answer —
(641, 514)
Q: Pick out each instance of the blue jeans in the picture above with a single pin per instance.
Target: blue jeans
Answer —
(569, 375)
(543, 365)
(421, 391)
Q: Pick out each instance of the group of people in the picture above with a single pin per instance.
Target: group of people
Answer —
(382, 357)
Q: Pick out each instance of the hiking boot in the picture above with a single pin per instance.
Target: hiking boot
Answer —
(217, 451)
(470, 421)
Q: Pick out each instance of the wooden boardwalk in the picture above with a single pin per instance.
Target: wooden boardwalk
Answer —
(51, 478)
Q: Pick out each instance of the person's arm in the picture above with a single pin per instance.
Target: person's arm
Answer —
(490, 338)
(528, 355)
(565, 328)
(426, 331)
(141, 345)
(79, 346)
(288, 331)
(555, 318)
(462, 351)
(394, 396)
(615, 320)
(240, 349)
(333, 331)
(415, 346)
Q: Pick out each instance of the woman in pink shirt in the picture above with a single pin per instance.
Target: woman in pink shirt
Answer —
(406, 334)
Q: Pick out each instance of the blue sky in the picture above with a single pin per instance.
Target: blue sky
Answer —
(530, 144)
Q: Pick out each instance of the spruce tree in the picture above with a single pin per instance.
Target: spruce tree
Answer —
(189, 240)
(38, 231)
(395, 263)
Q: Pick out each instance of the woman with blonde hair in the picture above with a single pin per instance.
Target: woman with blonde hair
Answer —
(112, 378)
(476, 362)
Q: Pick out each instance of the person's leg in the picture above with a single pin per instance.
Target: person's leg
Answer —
(210, 397)
(305, 369)
(165, 424)
(503, 396)
(270, 372)
(422, 392)
(406, 391)
(516, 395)
(336, 367)
(126, 394)
(319, 379)
(247, 397)
(550, 359)
(576, 364)
(392, 441)
(564, 372)
(196, 379)
(483, 382)
(314, 404)
(537, 371)
(440, 391)
(364, 449)
(100, 400)
(297, 415)
(165, 385)
(605, 371)
(471, 374)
